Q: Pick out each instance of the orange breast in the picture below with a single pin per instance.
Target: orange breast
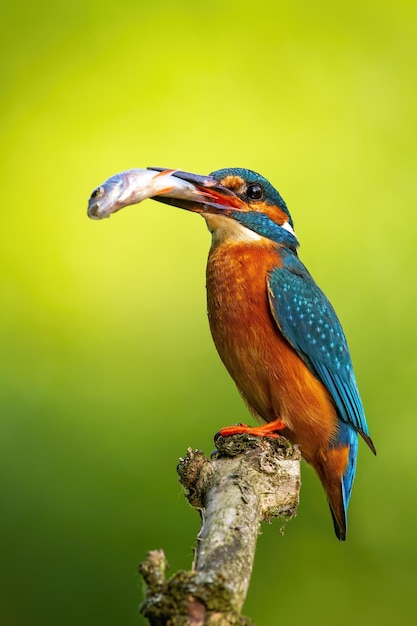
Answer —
(272, 378)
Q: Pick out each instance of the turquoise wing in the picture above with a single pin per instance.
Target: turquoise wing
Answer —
(309, 323)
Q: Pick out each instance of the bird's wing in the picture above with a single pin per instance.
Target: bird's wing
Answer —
(308, 321)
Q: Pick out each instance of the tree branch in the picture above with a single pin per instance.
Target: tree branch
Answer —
(247, 480)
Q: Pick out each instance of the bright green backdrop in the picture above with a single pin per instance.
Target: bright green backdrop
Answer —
(108, 371)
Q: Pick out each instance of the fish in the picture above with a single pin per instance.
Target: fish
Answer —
(135, 185)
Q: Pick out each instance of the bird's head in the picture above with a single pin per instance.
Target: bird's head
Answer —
(238, 204)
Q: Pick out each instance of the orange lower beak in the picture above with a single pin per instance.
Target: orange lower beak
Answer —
(210, 196)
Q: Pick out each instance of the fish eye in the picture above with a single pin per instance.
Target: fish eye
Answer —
(255, 191)
(96, 193)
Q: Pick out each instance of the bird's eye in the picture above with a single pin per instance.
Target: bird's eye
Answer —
(255, 192)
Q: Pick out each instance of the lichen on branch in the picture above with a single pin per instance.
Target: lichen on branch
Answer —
(247, 480)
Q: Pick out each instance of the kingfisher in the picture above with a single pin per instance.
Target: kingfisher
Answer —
(274, 329)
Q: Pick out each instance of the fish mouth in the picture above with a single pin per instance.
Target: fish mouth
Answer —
(209, 196)
(94, 203)
(106, 199)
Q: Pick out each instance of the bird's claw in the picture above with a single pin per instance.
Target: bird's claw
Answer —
(271, 429)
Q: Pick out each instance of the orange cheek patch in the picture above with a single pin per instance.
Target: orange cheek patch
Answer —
(276, 214)
(234, 183)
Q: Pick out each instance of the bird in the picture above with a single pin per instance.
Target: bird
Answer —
(275, 330)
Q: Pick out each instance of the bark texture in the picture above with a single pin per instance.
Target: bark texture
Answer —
(247, 480)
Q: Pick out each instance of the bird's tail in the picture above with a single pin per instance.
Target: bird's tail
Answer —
(336, 473)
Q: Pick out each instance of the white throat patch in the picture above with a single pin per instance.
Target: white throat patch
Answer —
(225, 228)
(287, 226)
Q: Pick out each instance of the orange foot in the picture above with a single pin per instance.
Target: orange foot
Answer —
(267, 430)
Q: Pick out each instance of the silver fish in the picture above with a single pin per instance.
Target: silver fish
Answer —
(133, 186)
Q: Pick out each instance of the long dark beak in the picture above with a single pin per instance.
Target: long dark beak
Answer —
(210, 196)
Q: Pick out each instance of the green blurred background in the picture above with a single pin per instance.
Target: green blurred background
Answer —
(108, 371)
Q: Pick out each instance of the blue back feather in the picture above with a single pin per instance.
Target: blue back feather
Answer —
(308, 321)
(348, 437)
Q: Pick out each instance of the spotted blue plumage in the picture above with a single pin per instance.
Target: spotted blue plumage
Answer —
(308, 321)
